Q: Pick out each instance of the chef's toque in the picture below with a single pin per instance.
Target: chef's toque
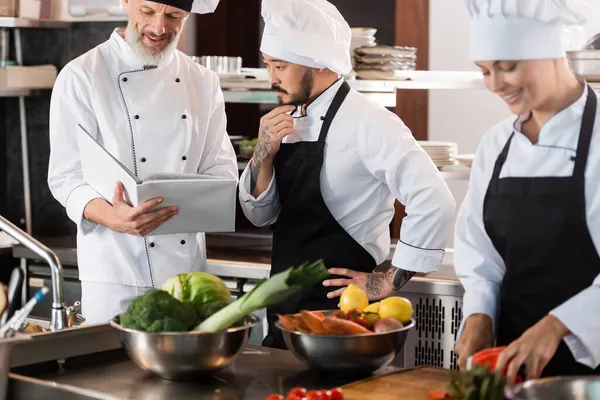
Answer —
(525, 29)
(195, 6)
(312, 33)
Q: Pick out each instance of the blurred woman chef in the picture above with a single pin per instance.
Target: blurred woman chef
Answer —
(528, 232)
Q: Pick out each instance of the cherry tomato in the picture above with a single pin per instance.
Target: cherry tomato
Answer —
(275, 396)
(296, 393)
(337, 394)
(314, 395)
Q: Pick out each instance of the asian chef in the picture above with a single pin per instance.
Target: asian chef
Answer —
(528, 232)
(156, 111)
(329, 164)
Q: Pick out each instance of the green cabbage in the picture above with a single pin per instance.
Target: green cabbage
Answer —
(206, 292)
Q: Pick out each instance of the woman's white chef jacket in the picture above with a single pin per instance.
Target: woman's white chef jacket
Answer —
(169, 119)
(478, 265)
(371, 159)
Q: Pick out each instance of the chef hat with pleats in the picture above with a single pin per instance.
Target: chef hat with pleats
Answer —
(312, 33)
(195, 6)
(523, 29)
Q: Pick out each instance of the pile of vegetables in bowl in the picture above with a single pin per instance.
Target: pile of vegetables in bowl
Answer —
(200, 302)
(355, 316)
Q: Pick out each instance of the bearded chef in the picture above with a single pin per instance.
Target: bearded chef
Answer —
(528, 232)
(156, 111)
(329, 164)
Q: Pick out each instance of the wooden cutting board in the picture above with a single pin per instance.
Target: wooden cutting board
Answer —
(410, 384)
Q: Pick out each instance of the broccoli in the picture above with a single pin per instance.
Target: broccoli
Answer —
(157, 311)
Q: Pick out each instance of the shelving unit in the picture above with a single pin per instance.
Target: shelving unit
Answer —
(16, 24)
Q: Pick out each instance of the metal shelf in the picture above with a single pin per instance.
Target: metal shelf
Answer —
(253, 96)
(19, 92)
(10, 22)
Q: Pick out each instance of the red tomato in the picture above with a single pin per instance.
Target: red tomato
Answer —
(438, 395)
(275, 396)
(336, 394)
(314, 395)
(296, 393)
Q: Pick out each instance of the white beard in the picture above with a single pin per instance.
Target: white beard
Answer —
(133, 37)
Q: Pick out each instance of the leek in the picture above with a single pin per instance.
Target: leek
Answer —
(267, 293)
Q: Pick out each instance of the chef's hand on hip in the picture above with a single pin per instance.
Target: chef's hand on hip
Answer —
(376, 285)
(140, 220)
(274, 126)
(534, 349)
(477, 335)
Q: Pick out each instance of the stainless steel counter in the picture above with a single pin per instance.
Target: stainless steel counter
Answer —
(257, 373)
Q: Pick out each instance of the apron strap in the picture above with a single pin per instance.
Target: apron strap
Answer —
(339, 98)
(502, 158)
(585, 133)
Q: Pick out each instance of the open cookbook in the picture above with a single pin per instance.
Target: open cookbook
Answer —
(206, 203)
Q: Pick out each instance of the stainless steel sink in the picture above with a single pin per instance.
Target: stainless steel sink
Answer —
(24, 388)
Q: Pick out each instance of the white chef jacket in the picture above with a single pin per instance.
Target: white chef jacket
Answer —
(167, 119)
(478, 265)
(371, 159)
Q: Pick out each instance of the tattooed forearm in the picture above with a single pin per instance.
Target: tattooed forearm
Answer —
(399, 277)
(381, 283)
(262, 151)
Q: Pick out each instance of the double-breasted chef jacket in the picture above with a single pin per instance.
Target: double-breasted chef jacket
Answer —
(517, 267)
(165, 119)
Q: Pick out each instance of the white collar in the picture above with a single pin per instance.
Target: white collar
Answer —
(559, 122)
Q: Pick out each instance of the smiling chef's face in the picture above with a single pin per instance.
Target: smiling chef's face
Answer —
(292, 83)
(154, 29)
(524, 85)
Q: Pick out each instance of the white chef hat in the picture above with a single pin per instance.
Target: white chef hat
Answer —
(523, 29)
(195, 6)
(307, 32)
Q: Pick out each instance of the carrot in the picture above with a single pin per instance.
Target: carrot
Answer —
(312, 322)
(318, 314)
(338, 326)
(286, 322)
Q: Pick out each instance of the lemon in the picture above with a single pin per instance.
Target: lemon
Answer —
(353, 299)
(372, 308)
(396, 307)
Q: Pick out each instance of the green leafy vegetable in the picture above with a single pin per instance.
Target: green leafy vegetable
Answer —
(267, 293)
(157, 311)
(206, 292)
(475, 384)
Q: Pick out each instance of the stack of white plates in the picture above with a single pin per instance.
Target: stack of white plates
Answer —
(443, 154)
(362, 37)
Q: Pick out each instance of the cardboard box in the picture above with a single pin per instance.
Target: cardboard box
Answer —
(8, 8)
(32, 77)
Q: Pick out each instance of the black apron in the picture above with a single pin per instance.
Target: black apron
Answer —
(539, 227)
(305, 229)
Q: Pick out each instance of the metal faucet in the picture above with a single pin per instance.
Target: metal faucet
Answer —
(59, 315)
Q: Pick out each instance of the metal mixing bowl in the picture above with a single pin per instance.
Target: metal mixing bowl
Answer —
(349, 354)
(184, 355)
(560, 388)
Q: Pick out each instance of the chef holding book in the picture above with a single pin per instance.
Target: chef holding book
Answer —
(155, 111)
(329, 164)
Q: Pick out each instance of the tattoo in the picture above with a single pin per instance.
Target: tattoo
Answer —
(262, 151)
(375, 283)
(393, 277)
(399, 277)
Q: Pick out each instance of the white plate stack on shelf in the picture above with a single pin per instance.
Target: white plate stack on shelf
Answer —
(362, 37)
(443, 154)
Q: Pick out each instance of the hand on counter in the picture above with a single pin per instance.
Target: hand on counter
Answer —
(122, 217)
(477, 335)
(534, 349)
(377, 285)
